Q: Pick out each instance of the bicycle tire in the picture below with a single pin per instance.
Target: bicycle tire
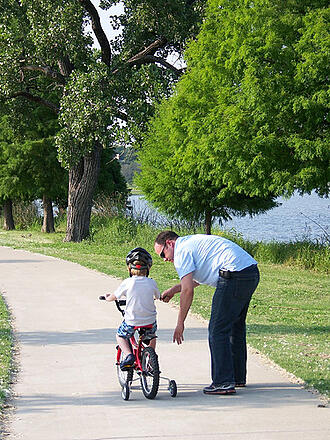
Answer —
(124, 377)
(150, 373)
(173, 389)
(125, 391)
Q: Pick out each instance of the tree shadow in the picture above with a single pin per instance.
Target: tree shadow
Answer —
(21, 261)
(97, 336)
(190, 397)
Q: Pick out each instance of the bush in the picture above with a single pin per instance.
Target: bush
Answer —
(26, 216)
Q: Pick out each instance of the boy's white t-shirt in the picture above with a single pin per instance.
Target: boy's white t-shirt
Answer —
(139, 293)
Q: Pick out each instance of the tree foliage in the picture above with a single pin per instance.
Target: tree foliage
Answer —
(180, 181)
(102, 97)
(250, 116)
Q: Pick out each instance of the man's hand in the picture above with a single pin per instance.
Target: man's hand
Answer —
(167, 295)
(178, 334)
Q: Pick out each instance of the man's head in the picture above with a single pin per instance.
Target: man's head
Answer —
(139, 262)
(164, 245)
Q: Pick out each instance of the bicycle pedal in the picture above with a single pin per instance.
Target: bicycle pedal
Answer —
(126, 367)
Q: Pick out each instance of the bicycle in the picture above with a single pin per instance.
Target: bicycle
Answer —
(146, 365)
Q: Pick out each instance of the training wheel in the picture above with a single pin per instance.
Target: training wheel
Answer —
(173, 389)
(125, 392)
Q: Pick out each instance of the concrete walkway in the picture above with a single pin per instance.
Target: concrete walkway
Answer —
(67, 387)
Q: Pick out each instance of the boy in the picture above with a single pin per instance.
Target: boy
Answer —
(139, 292)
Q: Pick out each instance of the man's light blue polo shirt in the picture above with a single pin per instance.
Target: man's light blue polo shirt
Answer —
(204, 255)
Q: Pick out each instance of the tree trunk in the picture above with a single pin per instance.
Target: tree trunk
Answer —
(48, 223)
(208, 223)
(9, 224)
(82, 182)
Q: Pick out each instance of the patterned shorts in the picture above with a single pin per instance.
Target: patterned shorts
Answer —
(126, 331)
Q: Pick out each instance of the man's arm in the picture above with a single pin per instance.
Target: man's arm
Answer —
(186, 297)
(168, 294)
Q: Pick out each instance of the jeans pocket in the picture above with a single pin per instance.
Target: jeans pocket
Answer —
(244, 288)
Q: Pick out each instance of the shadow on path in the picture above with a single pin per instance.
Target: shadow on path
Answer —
(190, 397)
(97, 336)
(21, 261)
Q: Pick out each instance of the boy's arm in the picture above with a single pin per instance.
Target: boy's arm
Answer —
(110, 297)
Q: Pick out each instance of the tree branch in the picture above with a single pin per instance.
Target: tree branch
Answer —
(152, 59)
(148, 51)
(48, 72)
(36, 99)
(98, 31)
(121, 115)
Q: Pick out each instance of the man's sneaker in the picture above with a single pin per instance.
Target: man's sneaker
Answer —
(128, 362)
(225, 388)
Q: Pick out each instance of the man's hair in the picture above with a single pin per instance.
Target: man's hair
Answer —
(166, 235)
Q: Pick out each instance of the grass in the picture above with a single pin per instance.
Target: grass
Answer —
(289, 313)
(288, 321)
(6, 343)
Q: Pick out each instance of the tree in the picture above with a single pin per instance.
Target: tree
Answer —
(94, 92)
(249, 118)
(29, 167)
(180, 182)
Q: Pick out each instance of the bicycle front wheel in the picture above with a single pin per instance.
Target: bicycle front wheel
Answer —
(124, 377)
(150, 373)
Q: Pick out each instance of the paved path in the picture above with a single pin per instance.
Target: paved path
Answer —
(67, 387)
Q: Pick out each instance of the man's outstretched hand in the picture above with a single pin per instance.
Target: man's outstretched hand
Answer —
(178, 334)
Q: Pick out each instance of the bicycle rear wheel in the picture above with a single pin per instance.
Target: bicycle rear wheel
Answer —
(150, 373)
(124, 377)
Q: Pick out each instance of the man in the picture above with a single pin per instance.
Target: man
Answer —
(218, 262)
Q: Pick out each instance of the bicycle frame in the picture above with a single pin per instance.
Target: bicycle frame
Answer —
(148, 356)
(137, 346)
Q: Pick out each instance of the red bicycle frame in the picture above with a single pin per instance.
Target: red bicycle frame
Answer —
(137, 346)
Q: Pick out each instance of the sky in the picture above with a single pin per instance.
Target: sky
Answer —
(104, 17)
(117, 10)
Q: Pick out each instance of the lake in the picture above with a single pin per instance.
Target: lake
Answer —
(297, 218)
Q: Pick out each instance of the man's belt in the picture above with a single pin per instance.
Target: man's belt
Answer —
(227, 274)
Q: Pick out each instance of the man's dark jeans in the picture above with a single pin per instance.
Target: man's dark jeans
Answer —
(227, 330)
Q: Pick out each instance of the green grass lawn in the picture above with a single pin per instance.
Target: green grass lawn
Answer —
(288, 321)
(5, 350)
(288, 318)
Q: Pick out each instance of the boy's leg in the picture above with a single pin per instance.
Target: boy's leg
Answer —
(152, 343)
(124, 345)
(124, 332)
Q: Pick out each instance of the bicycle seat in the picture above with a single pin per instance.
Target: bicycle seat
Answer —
(146, 332)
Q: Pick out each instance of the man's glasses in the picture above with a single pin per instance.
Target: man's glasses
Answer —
(162, 255)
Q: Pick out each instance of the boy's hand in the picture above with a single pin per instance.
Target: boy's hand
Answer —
(166, 296)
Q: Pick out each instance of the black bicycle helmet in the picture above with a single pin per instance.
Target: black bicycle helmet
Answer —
(139, 255)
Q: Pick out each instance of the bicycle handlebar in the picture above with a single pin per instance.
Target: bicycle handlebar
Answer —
(119, 303)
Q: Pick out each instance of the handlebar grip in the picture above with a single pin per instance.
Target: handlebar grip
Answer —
(102, 297)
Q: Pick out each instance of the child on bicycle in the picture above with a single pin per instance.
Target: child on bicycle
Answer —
(139, 292)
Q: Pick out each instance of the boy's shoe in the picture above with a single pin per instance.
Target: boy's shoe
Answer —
(225, 388)
(128, 362)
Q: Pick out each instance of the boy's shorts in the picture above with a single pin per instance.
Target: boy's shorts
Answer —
(126, 331)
